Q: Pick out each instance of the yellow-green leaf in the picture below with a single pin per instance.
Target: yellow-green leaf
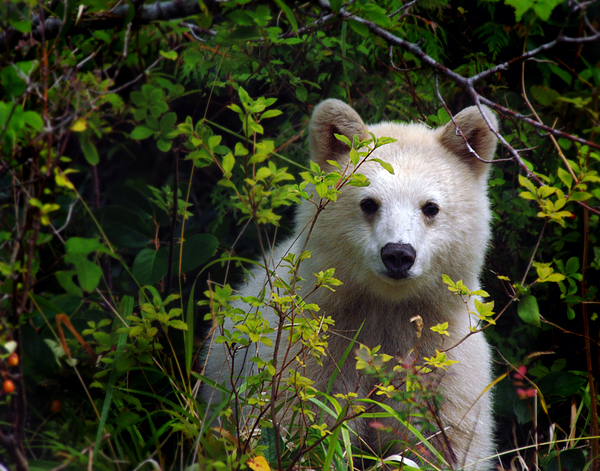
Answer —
(79, 125)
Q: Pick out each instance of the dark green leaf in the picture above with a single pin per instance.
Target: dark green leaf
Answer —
(336, 5)
(359, 28)
(376, 14)
(124, 227)
(529, 311)
(560, 383)
(127, 419)
(12, 82)
(130, 15)
(301, 93)
(150, 266)
(167, 122)
(131, 198)
(197, 249)
(570, 460)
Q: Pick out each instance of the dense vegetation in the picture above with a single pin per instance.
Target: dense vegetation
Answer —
(150, 151)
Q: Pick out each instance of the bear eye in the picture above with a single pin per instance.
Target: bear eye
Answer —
(369, 206)
(430, 209)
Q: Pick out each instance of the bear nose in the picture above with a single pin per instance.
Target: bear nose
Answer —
(398, 258)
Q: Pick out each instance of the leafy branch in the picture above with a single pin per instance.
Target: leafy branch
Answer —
(44, 28)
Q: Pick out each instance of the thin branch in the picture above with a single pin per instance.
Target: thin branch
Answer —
(406, 6)
(538, 125)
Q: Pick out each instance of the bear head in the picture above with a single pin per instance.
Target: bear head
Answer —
(431, 216)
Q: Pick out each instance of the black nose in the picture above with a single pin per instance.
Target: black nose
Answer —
(398, 258)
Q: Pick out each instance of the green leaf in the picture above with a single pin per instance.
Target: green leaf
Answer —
(33, 120)
(270, 114)
(544, 95)
(89, 149)
(88, 273)
(171, 55)
(572, 460)
(150, 266)
(580, 196)
(301, 93)
(376, 14)
(289, 14)
(81, 245)
(167, 122)
(359, 28)
(529, 310)
(563, 74)
(123, 227)
(138, 99)
(141, 132)
(12, 82)
(163, 145)
(527, 195)
(546, 191)
(336, 5)
(177, 324)
(572, 265)
(565, 177)
(228, 163)
(197, 249)
(22, 26)
(65, 280)
(542, 8)
(385, 165)
(130, 14)
(240, 17)
(132, 198)
(560, 383)
(214, 141)
(240, 150)
(127, 419)
(344, 139)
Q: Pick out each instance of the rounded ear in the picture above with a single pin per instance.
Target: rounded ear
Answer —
(478, 134)
(332, 117)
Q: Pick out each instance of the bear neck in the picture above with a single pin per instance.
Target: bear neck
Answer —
(394, 324)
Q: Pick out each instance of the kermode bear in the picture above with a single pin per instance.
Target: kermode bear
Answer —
(390, 243)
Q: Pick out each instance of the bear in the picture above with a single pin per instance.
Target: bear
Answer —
(390, 242)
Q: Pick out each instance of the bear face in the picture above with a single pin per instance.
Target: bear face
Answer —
(431, 216)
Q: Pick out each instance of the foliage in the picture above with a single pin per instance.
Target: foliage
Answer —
(151, 148)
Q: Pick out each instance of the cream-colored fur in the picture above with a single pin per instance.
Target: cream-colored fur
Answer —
(430, 166)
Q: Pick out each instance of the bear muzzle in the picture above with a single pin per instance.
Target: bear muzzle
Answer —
(398, 259)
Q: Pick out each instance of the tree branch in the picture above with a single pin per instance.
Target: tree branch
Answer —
(468, 83)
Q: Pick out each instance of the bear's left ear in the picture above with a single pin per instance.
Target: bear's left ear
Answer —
(332, 117)
(478, 134)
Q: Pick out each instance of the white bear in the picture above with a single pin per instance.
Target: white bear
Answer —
(390, 242)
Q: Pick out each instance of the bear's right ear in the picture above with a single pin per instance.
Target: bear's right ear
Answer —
(478, 134)
(332, 117)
